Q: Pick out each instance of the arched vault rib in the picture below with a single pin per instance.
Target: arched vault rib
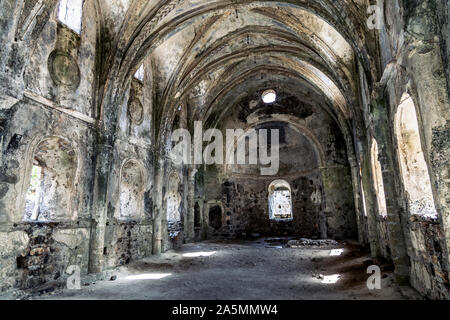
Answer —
(298, 47)
(342, 85)
(156, 26)
(307, 54)
(343, 124)
(302, 71)
(291, 39)
(329, 11)
(307, 133)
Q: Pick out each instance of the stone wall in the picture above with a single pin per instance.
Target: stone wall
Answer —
(69, 105)
(412, 63)
(65, 240)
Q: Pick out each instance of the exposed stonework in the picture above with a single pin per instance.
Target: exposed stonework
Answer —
(86, 173)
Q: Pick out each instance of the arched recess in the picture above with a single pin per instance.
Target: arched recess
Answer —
(51, 183)
(197, 216)
(280, 201)
(215, 216)
(414, 169)
(378, 180)
(305, 132)
(173, 198)
(132, 189)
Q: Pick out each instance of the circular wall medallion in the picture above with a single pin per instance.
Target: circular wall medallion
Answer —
(64, 69)
(135, 111)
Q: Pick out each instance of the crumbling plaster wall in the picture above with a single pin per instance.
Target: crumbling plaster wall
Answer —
(129, 235)
(35, 253)
(53, 99)
(48, 79)
(174, 217)
(412, 60)
(313, 162)
(246, 208)
(65, 241)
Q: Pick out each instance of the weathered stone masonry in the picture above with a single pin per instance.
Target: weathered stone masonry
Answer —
(86, 177)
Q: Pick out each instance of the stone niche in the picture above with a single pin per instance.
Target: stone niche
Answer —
(132, 189)
(52, 180)
(173, 198)
(135, 110)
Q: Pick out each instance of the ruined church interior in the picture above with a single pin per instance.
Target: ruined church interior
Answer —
(93, 205)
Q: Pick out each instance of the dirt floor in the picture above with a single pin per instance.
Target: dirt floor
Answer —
(262, 269)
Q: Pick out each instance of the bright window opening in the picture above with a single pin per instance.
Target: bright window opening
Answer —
(269, 96)
(70, 13)
(280, 202)
(34, 193)
(140, 73)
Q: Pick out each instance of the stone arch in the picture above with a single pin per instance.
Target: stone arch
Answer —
(132, 190)
(280, 201)
(149, 35)
(173, 198)
(297, 127)
(413, 166)
(50, 185)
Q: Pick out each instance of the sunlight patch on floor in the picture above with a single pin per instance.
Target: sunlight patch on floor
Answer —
(336, 252)
(331, 279)
(199, 254)
(149, 276)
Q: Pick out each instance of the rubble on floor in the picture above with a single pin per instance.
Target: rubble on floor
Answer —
(308, 242)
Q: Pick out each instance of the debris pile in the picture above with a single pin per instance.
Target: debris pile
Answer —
(310, 243)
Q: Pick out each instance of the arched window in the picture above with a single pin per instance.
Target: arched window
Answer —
(173, 198)
(70, 13)
(140, 73)
(378, 180)
(414, 169)
(132, 190)
(52, 182)
(280, 202)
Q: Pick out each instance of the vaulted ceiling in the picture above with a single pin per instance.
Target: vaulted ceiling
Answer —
(210, 55)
